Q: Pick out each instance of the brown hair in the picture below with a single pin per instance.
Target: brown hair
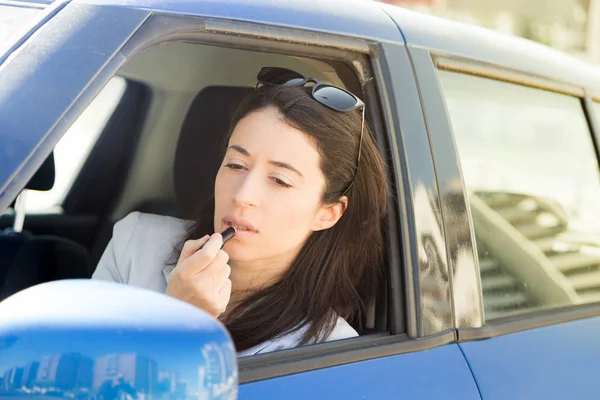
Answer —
(337, 271)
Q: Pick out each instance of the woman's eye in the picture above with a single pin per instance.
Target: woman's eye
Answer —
(234, 166)
(281, 183)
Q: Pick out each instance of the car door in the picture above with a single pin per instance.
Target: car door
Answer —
(53, 76)
(528, 153)
(545, 278)
(381, 369)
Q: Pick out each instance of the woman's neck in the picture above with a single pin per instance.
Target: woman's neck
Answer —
(249, 277)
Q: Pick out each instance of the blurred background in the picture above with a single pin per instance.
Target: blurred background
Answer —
(572, 26)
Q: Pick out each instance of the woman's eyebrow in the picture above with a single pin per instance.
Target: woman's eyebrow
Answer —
(279, 164)
(286, 166)
(240, 149)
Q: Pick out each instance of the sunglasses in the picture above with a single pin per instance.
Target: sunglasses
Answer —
(330, 96)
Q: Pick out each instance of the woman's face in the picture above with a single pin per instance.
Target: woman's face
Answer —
(269, 187)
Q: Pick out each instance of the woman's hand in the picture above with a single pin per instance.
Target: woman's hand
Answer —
(201, 277)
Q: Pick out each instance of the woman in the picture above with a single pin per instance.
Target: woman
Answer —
(303, 184)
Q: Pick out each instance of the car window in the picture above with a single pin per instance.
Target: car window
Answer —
(530, 168)
(12, 21)
(76, 144)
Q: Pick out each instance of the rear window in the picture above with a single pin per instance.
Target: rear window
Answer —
(531, 171)
(13, 21)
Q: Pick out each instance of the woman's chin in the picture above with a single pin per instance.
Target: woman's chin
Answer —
(238, 252)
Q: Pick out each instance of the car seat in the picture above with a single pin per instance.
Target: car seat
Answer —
(27, 259)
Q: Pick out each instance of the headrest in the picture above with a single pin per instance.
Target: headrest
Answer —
(44, 177)
(200, 145)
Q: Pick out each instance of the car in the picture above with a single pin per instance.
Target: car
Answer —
(492, 266)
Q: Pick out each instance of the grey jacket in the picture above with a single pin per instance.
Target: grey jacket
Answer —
(140, 252)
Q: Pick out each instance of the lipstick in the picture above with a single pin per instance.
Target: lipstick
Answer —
(227, 234)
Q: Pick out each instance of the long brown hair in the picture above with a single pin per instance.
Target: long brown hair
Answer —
(337, 271)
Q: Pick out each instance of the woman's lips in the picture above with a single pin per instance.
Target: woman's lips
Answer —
(240, 230)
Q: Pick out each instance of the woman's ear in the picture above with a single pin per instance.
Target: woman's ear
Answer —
(329, 214)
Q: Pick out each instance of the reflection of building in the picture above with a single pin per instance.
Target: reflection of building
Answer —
(65, 371)
(30, 374)
(203, 393)
(230, 359)
(522, 266)
(181, 390)
(219, 373)
(168, 381)
(215, 364)
(137, 371)
(12, 378)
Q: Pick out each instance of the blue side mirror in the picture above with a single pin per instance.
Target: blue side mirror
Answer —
(102, 340)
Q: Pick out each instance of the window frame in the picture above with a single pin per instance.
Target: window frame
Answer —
(464, 65)
(591, 105)
(161, 28)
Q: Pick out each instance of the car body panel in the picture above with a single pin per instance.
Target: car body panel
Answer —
(426, 257)
(351, 18)
(439, 373)
(37, 16)
(467, 304)
(553, 362)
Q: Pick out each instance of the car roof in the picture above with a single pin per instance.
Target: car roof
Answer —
(28, 3)
(447, 36)
(371, 20)
(358, 18)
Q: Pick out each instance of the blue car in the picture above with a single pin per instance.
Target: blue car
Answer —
(492, 283)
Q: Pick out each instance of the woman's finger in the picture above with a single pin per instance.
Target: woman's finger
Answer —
(225, 291)
(221, 275)
(209, 251)
(202, 257)
(192, 246)
(216, 265)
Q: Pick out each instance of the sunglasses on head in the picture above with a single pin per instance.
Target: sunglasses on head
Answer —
(330, 96)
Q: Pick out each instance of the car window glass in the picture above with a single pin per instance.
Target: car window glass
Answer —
(530, 168)
(13, 20)
(76, 144)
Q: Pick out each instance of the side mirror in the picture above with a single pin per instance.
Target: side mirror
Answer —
(104, 340)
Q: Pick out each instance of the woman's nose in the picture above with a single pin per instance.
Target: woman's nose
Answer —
(248, 192)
